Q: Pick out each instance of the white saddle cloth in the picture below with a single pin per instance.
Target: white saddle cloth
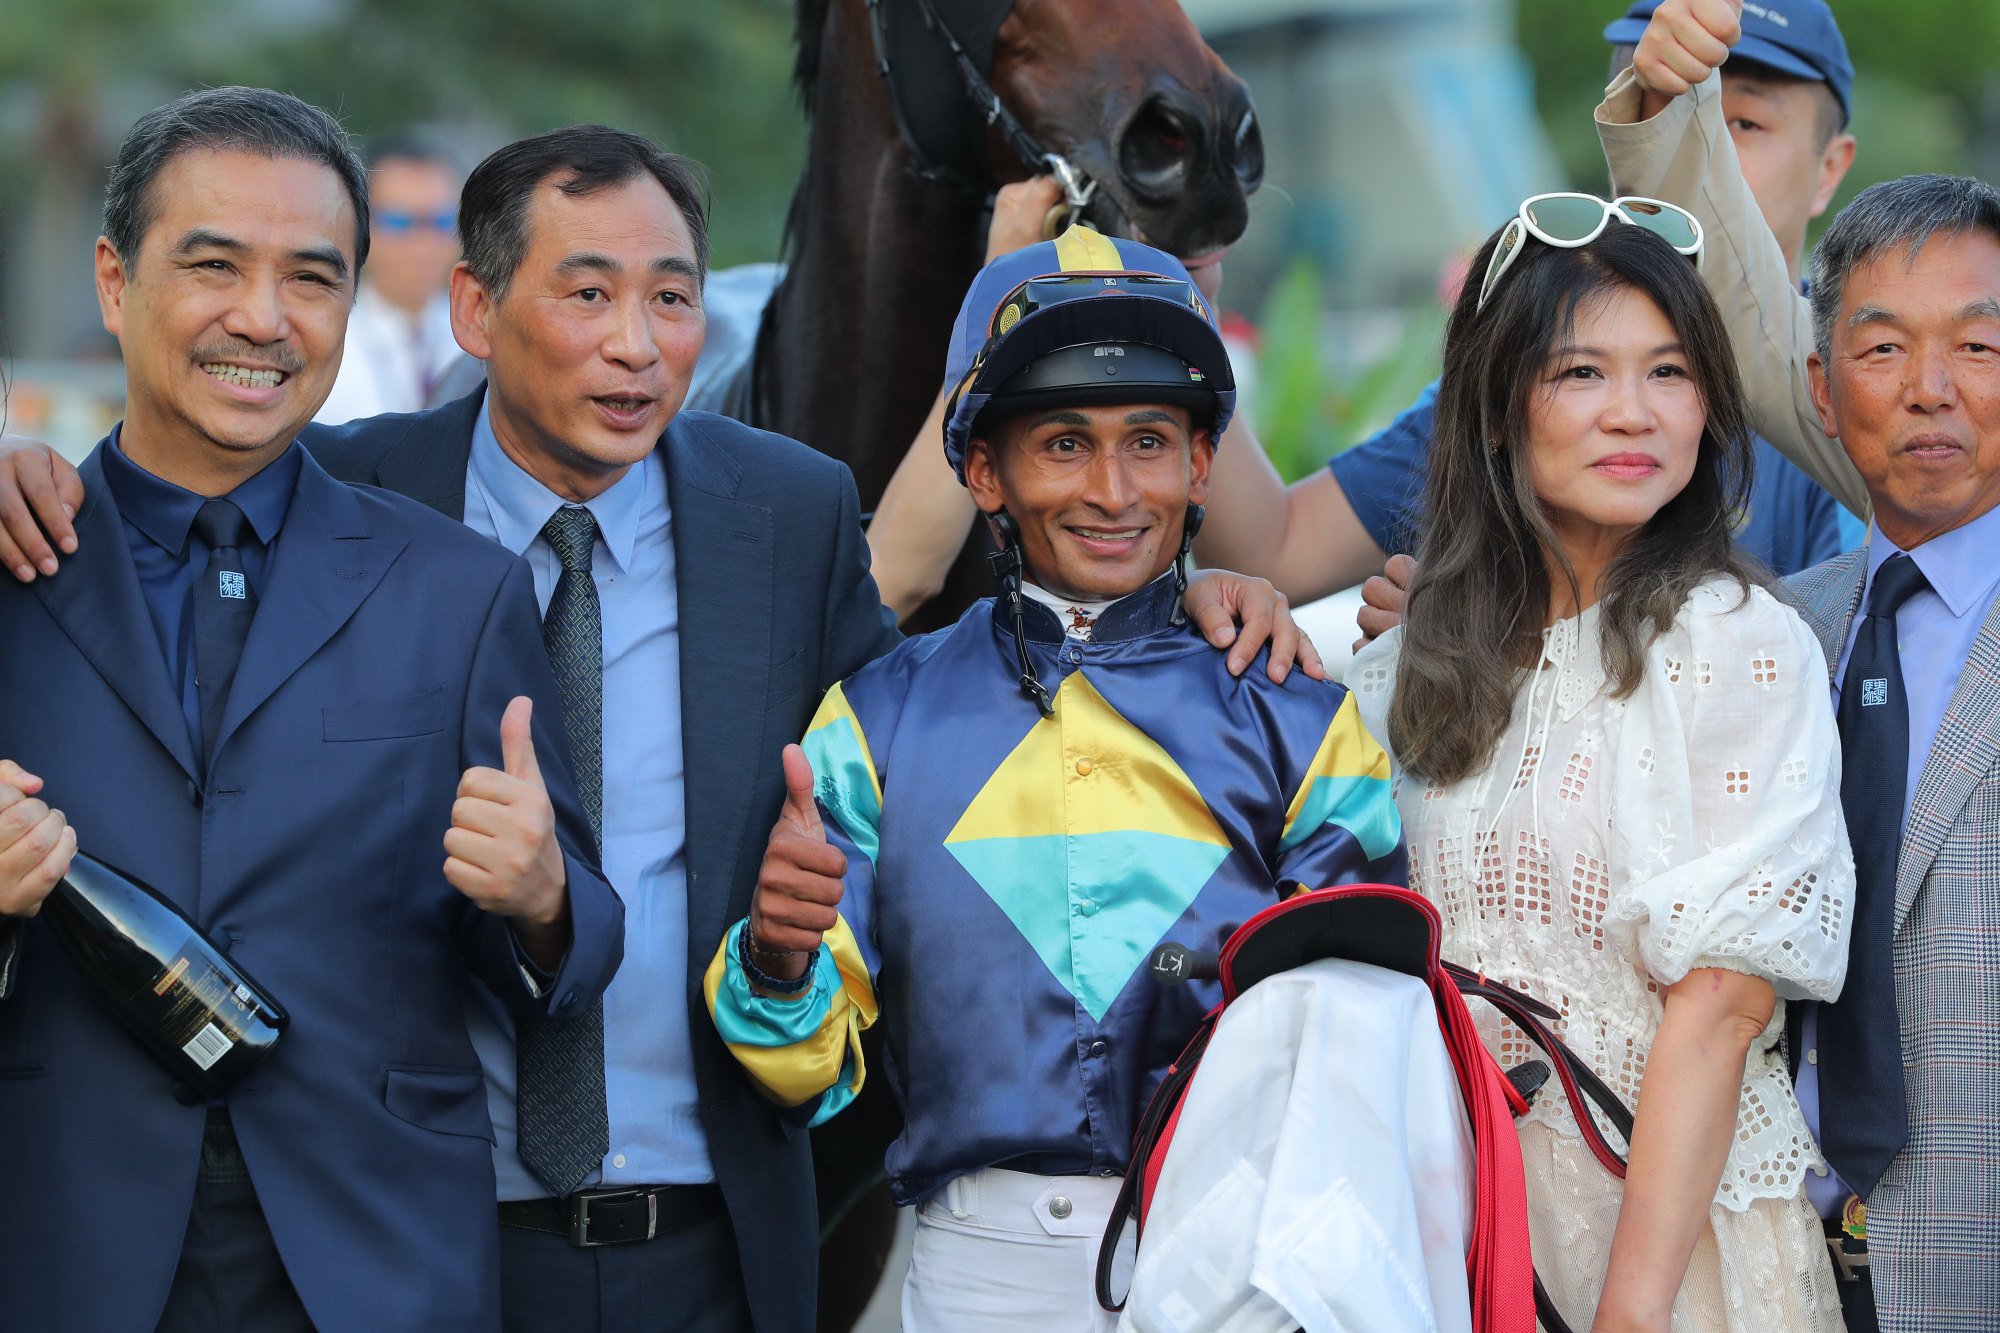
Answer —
(1321, 1175)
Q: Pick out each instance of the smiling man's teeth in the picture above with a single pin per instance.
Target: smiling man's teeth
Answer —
(625, 404)
(244, 376)
(1097, 535)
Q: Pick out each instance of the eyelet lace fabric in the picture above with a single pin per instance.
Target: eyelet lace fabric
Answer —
(1610, 847)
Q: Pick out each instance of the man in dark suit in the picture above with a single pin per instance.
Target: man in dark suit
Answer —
(273, 697)
(729, 582)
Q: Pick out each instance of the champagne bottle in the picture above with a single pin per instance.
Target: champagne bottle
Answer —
(198, 1013)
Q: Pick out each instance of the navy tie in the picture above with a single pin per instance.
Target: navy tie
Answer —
(224, 605)
(1864, 1121)
(564, 1125)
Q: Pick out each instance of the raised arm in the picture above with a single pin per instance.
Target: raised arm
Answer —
(921, 523)
(1306, 538)
(1684, 155)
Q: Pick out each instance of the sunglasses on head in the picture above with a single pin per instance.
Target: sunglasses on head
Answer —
(402, 223)
(1568, 221)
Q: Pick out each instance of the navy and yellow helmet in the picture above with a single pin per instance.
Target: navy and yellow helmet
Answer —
(1084, 320)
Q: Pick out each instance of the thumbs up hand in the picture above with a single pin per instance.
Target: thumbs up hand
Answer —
(799, 886)
(501, 848)
(1683, 43)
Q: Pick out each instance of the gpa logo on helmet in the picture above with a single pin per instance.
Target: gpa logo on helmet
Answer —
(1195, 376)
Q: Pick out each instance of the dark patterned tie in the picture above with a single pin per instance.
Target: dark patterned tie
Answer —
(224, 605)
(1864, 1120)
(563, 1127)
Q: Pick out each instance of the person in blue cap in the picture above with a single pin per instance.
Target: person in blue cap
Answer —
(1787, 93)
(989, 829)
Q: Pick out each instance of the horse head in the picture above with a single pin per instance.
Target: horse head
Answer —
(1129, 93)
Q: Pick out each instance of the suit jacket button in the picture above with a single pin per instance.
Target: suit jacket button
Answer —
(569, 1001)
(187, 1096)
(194, 791)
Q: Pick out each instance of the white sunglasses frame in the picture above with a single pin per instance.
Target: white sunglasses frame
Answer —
(1507, 251)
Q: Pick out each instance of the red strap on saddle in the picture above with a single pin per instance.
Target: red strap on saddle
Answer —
(1499, 1268)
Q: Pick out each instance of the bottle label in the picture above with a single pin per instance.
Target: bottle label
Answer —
(208, 1046)
(201, 1010)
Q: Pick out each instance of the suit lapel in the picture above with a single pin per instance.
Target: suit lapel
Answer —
(1828, 596)
(326, 564)
(722, 573)
(429, 465)
(1965, 749)
(97, 601)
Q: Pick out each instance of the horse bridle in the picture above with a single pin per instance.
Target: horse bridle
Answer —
(948, 147)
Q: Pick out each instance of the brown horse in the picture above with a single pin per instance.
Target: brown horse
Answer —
(888, 223)
(919, 110)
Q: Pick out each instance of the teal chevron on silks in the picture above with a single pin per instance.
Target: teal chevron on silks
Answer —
(1091, 905)
(1026, 878)
(1358, 804)
(844, 778)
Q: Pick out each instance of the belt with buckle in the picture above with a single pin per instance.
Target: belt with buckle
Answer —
(1847, 1241)
(590, 1218)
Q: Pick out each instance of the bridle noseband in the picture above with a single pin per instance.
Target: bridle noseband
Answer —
(946, 145)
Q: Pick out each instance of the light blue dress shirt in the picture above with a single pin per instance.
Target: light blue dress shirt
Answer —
(1935, 632)
(656, 1134)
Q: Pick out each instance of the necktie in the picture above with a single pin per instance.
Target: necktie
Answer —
(1863, 1118)
(564, 1129)
(223, 608)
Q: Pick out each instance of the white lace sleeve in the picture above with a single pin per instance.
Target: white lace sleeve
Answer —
(1726, 815)
(1371, 679)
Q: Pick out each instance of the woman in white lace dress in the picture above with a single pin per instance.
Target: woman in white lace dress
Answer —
(1619, 778)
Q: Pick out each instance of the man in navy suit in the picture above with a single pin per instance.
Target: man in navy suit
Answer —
(732, 587)
(318, 718)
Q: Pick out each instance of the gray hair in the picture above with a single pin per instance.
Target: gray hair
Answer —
(1903, 214)
(254, 120)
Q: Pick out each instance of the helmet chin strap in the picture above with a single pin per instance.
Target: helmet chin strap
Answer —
(1195, 514)
(1006, 566)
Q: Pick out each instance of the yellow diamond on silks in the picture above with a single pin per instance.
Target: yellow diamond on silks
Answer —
(1092, 861)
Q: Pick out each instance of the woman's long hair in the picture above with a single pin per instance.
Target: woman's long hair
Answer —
(1481, 596)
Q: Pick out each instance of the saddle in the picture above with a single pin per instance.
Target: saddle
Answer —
(1395, 929)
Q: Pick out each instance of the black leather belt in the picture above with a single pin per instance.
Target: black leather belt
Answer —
(616, 1217)
(1850, 1253)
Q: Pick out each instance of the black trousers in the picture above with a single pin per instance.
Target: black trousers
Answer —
(1857, 1306)
(229, 1279)
(688, 1281)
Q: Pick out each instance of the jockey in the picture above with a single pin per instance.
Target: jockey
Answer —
(990, 828)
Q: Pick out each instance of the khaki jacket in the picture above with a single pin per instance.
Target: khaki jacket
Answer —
(1684, 155)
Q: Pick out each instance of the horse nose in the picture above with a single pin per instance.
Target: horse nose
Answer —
(1172, 139)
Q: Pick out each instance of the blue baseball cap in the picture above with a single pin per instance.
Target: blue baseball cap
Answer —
(1796, 37)
(1084, 319)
